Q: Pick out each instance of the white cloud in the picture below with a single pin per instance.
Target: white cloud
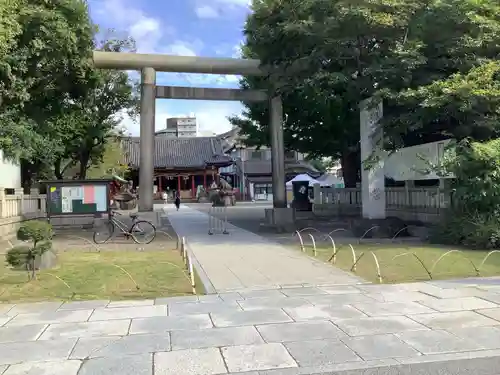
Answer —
(147, 31)
(152, 36)
(206, 11)
(217, 8)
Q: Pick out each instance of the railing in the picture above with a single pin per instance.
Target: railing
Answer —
(410, 203)
(20, 205)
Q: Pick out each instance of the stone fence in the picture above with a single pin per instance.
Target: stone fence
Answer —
(422, 204)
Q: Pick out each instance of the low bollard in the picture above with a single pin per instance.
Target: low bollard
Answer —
(216, 225)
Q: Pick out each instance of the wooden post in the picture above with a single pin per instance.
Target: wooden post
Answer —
(193, 190)
(205, 179)
(160, 189)
(179, 185)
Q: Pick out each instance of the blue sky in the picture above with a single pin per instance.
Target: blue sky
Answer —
(187, 28)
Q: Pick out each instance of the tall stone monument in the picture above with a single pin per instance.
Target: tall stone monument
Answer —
(372, 156)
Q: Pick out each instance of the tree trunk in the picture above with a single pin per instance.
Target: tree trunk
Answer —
(351, 166)
(57, 169)
(84, 162)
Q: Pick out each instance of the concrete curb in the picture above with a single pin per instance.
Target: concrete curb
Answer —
(208, 287)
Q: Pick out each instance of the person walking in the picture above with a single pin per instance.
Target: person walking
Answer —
(177, 200)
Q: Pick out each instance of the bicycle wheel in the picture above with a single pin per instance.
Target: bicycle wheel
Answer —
(143, 232)
(104, 232)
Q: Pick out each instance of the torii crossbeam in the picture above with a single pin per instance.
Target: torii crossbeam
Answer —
(149, 64)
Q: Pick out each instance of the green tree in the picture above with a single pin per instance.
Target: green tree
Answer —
(111, 161)
(333, 54)
(40, 234)
(45, 64)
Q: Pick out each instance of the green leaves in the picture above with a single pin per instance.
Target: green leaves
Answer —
(421, 56)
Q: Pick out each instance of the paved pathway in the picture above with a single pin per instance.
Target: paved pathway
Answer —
(424, 328)
(263, 326)
(243, 259)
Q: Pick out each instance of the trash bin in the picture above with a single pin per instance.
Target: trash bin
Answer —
(301, 196)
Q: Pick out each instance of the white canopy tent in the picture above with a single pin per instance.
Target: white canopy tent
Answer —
(303, 177)
(331, 180)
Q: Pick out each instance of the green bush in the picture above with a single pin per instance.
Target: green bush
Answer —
(473, 220)
(39, 233)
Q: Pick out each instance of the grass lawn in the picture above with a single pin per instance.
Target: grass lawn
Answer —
(94, 275)
(408, 268)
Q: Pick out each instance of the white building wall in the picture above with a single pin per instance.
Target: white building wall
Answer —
(10, 173)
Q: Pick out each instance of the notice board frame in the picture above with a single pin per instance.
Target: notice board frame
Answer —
(73, 183)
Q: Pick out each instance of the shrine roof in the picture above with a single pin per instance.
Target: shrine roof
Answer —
(171, 153)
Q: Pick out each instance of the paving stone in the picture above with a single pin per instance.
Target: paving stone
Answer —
(305, 291)
(434, 342)
(180, 299)
(170, 323)
(257, 357)
(491, 313)
(452, 320)
(35, 307)
(348, 368)
(131, 303)
(247, 318)
(378, 325)
(321, 353)
(272, 303)
(401, 296)
(5, 308)
(83, 305)
(392, 308)
(202, 308)
(487, 337)
(340, 289)
(49, 317)
(270, 293)
(45, 368)
(209, 298)
(379, 347)
(215, 337)
(129, 312)
(129, 365)
(21, 333)
(339, 300)
(34, 351)
(323, 312)
(190, 362)
(492, 297)
(88, 329)
(4, 320)
(94, 347)
(459, 304)
(456, 292)
(284, 332)
(455, 357)
(231, 296)
(388, 288)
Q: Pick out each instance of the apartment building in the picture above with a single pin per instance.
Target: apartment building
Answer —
(180, 127)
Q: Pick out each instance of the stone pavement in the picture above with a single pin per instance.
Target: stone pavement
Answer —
(425, 328)
(243, 259)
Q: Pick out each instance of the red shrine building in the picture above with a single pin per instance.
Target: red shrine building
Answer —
(180, 164)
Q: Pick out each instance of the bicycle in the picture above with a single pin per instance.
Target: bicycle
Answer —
(136, 231)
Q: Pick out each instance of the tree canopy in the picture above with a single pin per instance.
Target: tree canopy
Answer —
(56, 110)
(332, 54)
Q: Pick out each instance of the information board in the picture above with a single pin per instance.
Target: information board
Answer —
(78, 197)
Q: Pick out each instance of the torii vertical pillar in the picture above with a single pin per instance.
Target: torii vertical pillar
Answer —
(147, 133)
(277, 152)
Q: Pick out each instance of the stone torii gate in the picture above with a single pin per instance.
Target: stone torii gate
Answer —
(149, 64)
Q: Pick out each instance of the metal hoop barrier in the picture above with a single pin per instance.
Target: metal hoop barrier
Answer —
(216, 225)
